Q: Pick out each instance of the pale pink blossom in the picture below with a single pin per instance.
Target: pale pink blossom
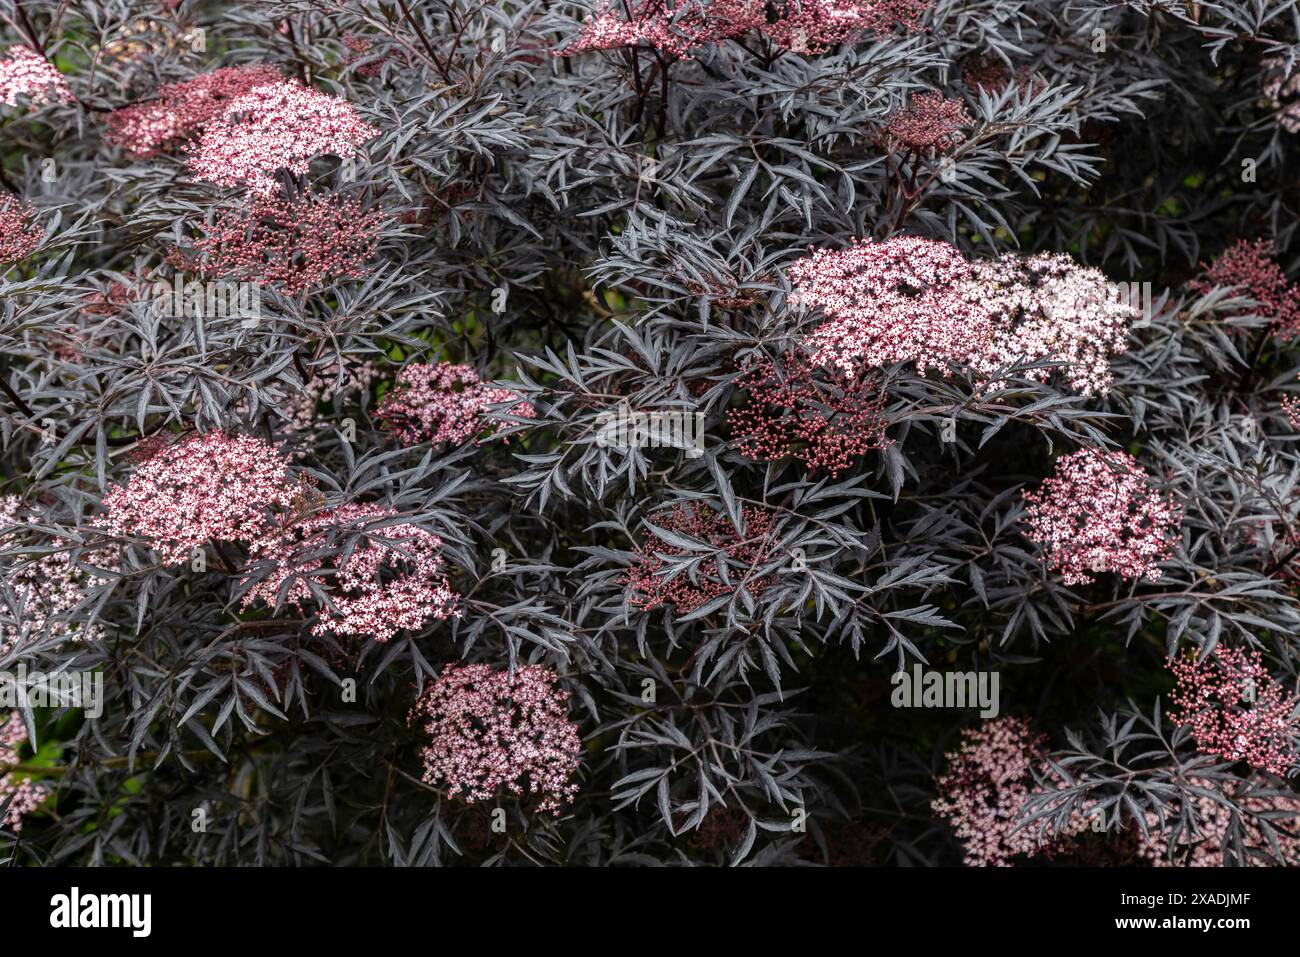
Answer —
(273, 127)
(1212, 822)
(179, 111)
(679, 29)
(25, 795)
(499, 732)
(1099, 513)
(25, 73)
(19, 233)
(392, 580)
(909, 299)
(201, 488)
(989, 780)
(444, 402)
(48, 590)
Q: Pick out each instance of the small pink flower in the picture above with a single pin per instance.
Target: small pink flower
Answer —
(202, 488)
(1236, 709)
(1099, 513)
(990, 777)
(25, 796)
(25, 73)
(19, 234)
(444, 402)
(179, 111)
(378, 590)
(493, 732)
(273, 127)
(48, 591)
(1213, 822)
(1252, 266)
(679, 29)
(909, 299)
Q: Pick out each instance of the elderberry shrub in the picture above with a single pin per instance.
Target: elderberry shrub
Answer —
(558, 432)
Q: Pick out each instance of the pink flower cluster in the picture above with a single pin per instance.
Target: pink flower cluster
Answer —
(24, 72)
(238, 489)
(931, 123)
(391, 580)
(1252, 266)
(497, 731)
(300, 405)
(179, 111)
(300, 244)
(26, 795)
(272, 127)
(45, 589)
(918, 300)
(443, 402)
(989, 780)
(825, 418)
(211, 487)
(1212, 823)
(1236, 709)
(647, 586)
(991, 74)
(678, 29)
(1099, 513)
(19, 234)
(1281, 87)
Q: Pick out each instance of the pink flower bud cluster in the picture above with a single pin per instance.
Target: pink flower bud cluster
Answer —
(360, 49)
(1291, 408)
(299, 244)
(1099, 513)
(931, 123)
(990, 777)
(276, 126)
(991, 75)
(1236, 709)
(678, 29)
(647, 586)
(179, 111)
(918, 300)
(26, 795)
(494, 732)
(1252, 267)
(45, 589)
(211, 487)
(19, 234)
(1281, 87)
(1213, 821)
(444, 402)
(378, 589)
(325, 384)
(825, 418)
(24, 72)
